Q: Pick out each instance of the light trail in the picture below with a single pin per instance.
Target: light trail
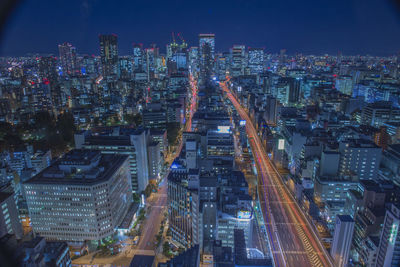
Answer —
(294, 232)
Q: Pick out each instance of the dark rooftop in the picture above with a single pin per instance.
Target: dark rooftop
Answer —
(345, 218)
(142, 261)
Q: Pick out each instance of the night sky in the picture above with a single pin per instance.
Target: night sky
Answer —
(310, 27)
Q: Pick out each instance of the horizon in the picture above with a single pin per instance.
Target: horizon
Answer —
(350, 27)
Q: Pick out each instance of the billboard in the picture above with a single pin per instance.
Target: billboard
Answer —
(281, 144)
(224, 129)
(242, 123)
(244, 214)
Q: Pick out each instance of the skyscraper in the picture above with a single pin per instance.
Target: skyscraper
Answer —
(342, 240)
(256, 60)
(109, 54)
(67, 58)
(237, 60)
(206, 54)
(138, 57)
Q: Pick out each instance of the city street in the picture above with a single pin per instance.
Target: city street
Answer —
(157, 204)
(293, 241)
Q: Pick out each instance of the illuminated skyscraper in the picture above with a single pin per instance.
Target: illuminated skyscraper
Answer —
(151, 61)
(206, 53)
(138, 57)
(67, 58)
(109, 54)
(256, 60)
(237, 60)
(194, 58)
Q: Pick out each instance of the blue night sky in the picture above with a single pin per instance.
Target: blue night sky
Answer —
(310, 27)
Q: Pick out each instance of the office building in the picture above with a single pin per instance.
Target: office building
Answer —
(220, 144)
(378, 113)
(390, 164)
(256, 60)
(132, 143)
(84, 195)
(155, 162)
(9, 217)
(67, 58)
(270, 110)
(237, 60)
(360, 157)
(389, 244)
(206, 54)
(39, 252)
(342, 240)
(41, 160)
(183, 208)
(155, 116)
(138, 57)
(109, 54)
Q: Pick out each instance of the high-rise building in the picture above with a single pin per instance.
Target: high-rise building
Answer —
(155, 116)
(256, 60)
(342, 240)
(151, 61)
(138, 57)
(237, 60)
(206, 54)
(9, 219)
(344, 84)
(378, 113)
(125, 67)
(220, 144)
(67, 58)
(154, 158)
(82, 196)
(271, 110)
(194, 58)
(389, 245)
(183, 212)
(360, 157)
(47, 69)
(109, 54)
(132, 144)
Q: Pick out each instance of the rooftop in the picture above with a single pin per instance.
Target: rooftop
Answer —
(345, 218)
(80, 167)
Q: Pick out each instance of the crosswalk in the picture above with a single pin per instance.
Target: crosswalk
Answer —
(312, 256)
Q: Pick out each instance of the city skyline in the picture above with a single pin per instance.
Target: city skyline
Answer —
(204, 149)
(368, 27)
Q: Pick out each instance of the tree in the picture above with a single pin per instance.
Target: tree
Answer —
(43, 119)
(172, 132)
(136, 198)
(66, 126)
(134, 119)
(147, 191)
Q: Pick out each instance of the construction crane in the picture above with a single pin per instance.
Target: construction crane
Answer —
(184, 44)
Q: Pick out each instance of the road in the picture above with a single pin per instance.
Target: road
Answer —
(292, 238)
(159, 200)
(157, 204)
